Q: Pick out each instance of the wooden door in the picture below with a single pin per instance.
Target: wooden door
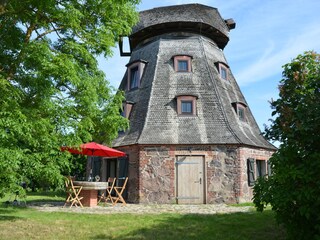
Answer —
(190, 183)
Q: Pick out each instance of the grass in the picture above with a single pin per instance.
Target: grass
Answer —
(27, 223)
(246, 204)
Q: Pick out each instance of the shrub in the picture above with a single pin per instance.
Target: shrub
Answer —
(294, 189)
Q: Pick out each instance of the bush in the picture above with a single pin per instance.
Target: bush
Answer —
(294, 189)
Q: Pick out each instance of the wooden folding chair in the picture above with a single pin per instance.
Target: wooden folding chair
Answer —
(72, 193)
(107, 195)
(119, 191)
(68, 191)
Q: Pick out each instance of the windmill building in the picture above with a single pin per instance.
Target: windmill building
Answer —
(192, 137)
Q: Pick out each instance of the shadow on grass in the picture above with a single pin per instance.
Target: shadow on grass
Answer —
(47, 193)
(252, 225)
(9, 218)
(45, 198)
(6, 213)
(32, 202)
(44, 202)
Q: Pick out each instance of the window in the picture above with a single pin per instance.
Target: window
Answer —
(251, 178)
(256, 168)
(269, 167)
(135, 72)
(127, 107)
(182, 63)
(186, 105)
(223, 70)
(134, 77)
(240, 109)
(260, 168)
(117, 168)
(223, 73)
(241, 113)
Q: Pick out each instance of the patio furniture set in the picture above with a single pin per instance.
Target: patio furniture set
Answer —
(84, 193)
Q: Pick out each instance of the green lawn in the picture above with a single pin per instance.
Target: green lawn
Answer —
(27, 223)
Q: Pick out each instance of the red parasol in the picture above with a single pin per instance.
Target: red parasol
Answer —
(94, 149)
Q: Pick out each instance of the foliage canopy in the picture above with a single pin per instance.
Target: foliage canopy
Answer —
(52, 91)
(294, 189)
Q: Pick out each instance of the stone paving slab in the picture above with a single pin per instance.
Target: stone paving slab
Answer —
(145, 208)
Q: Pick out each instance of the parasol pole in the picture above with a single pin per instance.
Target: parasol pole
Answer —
(91, 165)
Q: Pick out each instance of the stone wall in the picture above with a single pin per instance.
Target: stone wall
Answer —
(152, 172)
(223, 169)
(157, 175)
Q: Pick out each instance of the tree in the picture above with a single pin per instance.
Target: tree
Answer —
(294, 188)
(52, 92)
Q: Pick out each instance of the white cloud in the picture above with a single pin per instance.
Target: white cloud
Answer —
(275, 56)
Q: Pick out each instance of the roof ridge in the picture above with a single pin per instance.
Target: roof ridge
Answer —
(217, 93)
(254, 119)
(149, 99)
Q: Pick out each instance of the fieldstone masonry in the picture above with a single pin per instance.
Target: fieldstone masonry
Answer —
(156, 174)
(152, 172)
(222, 175)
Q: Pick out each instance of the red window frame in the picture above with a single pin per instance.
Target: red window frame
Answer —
(223, 70)
(139, 65)
(240, 109)
(182, 58)
(127, 107)
(192, 99)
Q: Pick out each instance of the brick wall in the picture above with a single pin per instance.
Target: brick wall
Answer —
(133, 185)
(244, 153)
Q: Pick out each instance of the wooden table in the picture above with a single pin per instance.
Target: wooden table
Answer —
(89, 191)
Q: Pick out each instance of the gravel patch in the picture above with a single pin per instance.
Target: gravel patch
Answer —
(143, 208)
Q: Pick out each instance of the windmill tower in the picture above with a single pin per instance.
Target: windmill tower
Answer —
(192, 136)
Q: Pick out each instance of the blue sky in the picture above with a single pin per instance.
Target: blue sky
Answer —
(268, 34)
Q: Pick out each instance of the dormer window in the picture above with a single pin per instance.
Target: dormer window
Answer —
(223, 73)
(135, 72)
(240, 109)
(241, 113)
(182, 63)
(223, 70)
(186, 105)
(127, 107)
(134, 77)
